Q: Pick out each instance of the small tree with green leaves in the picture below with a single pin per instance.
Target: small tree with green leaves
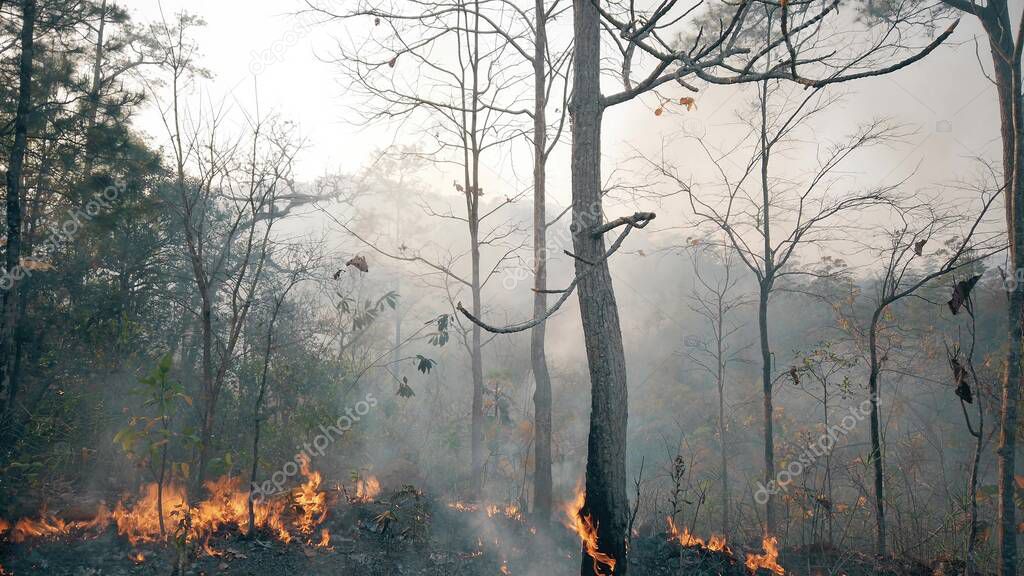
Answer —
(147, 438)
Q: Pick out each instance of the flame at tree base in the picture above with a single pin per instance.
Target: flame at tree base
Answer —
(584, 527)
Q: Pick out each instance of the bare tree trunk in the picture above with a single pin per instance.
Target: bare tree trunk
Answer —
(160, 484)
(257, 407)
(473, 194)
(876, 436)
(972, 488)
(606, 501)
(768, 427)
(477, 424)
(15, 162)
(764, 293)
(542, 482)
(1006, 68)
(209, 401)
(720, 381)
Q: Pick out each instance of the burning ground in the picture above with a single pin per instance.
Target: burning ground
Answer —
(360, 527)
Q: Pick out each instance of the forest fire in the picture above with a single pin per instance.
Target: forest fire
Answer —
(716, 543)
(459, 506)
(309, 499)
(227, 505)
(367, 490)
(586, 529)
(511, 254)
(48, 525)
(510, 511)
(768, 560)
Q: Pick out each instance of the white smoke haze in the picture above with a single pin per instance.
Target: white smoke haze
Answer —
(359, 386)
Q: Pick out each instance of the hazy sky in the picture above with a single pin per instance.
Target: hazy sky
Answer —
(264, 46)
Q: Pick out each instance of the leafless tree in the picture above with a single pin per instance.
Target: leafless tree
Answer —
(971, 389)
(229, 192)
(918, 223)
(753, 41)
(821, 368)
(767, 218)
(895, 285)
(714, 298)
(725, 51)
(444, 63)
(547, 69)
(297, 267)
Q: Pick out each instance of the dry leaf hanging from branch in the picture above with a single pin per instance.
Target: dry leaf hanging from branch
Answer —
(359, 262)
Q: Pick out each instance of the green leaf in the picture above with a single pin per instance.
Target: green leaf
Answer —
(424, 364)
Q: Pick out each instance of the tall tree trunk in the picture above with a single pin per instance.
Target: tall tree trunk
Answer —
(209, 401)
(606, 502)
(876, 436)
(258, 407)
(767, 418)
(473, 195)
(970, 562)
(15, 163)
(93, 101)
(723, 446)
(1007, 74)
(764, 293)
(477, 423)
(542, 483)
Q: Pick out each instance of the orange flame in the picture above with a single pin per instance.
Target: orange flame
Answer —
(686, 539)
(367, 489)
(586, 529)
(140, 522)
(137, 557)
(227, 505)
(310, 499)
(325, 539)
(46, 525)
(50, 525)
(512, 512)
(462, 507)
(210, 551)
(768, 560)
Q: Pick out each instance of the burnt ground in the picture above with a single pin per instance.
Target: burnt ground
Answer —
(362, 543)
(451, 544)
